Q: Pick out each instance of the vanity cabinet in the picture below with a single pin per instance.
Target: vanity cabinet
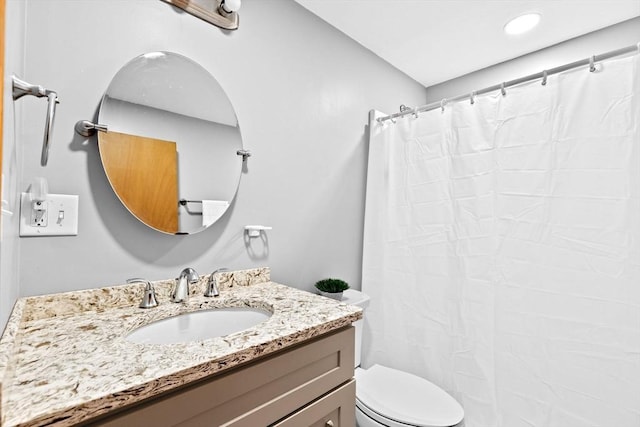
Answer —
(310, 384)
(333, 410)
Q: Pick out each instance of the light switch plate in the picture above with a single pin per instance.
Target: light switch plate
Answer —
(61, 216)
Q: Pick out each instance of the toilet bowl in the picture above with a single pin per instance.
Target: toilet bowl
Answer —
(387, 397)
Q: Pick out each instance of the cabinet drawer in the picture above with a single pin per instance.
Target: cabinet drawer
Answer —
(337, 409)
(256, 394)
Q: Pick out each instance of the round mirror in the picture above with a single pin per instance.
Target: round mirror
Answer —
(170, 151)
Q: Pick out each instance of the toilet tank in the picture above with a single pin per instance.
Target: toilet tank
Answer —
(360, 299)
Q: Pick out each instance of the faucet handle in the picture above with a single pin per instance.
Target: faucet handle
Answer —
(212, 287)
(149, 298)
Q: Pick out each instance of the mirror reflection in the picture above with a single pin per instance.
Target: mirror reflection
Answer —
(170, 152)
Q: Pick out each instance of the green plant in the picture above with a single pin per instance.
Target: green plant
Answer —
(332, 285)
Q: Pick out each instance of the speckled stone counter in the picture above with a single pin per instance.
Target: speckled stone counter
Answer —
(64, 358)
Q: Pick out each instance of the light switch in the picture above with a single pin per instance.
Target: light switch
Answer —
(55, 216)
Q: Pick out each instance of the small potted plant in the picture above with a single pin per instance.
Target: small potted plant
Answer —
(332, 288)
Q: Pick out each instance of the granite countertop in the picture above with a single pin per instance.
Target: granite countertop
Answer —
(64, 358)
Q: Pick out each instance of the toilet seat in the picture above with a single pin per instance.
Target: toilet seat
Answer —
(397, 398)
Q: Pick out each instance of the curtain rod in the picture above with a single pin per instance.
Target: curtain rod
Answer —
(541, 75)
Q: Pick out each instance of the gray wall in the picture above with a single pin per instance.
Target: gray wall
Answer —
(301, 91)
(614, 37)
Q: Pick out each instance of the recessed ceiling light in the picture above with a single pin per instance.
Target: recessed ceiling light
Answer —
(522, 23)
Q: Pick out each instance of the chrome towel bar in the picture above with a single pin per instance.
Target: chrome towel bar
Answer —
(21, 88)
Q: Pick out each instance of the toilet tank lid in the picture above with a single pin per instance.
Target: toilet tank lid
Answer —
(358, 298)
(406, 398)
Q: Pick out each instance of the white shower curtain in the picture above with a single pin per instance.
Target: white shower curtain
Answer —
(502, 250)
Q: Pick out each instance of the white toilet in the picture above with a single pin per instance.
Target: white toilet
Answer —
(387, 397)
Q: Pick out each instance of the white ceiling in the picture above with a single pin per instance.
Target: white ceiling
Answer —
(437, 40)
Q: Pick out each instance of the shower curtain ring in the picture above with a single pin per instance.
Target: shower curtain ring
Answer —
(472, 97)
(443, 103)
(415, 112)
(592, 63)
(393, 120)
(502, 89)
(544, 77)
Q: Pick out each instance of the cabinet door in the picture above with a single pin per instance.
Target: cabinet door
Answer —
(336, 409)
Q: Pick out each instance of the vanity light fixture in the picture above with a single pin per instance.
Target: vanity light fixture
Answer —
(521, 24)
(227, 7)
(221, 13)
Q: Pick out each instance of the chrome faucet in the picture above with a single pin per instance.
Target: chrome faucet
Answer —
(212, 287)
(181, 291)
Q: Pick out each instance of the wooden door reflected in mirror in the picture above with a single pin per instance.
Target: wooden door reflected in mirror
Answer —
(144, 173)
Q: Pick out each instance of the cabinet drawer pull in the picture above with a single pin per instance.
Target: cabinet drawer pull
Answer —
(328, 424)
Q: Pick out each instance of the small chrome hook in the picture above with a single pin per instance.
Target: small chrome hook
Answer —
(544, 77)
(592, 64)
(472, 97)
(443, 103)
(415, 112)
(244, 153)
(503, 91)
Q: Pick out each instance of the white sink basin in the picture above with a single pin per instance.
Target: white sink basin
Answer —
(198, 325)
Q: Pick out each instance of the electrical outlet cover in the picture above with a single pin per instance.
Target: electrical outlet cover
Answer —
(61, 216)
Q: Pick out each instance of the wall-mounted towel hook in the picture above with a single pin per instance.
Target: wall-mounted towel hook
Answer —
(87, 128)
(21, 88)
(255, 230)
